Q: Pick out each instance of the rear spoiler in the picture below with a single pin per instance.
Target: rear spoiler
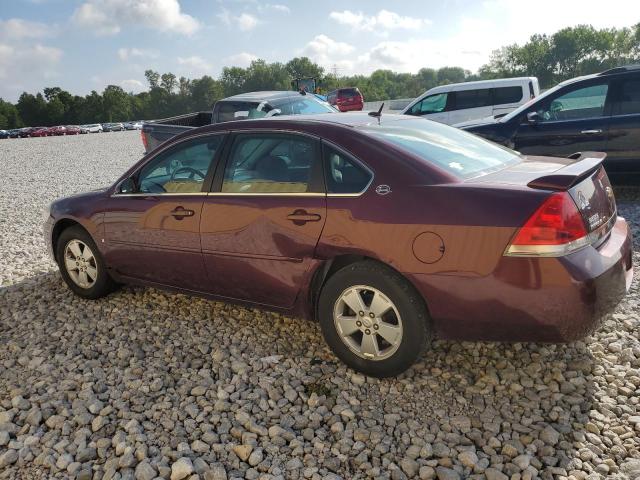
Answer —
(566, 177)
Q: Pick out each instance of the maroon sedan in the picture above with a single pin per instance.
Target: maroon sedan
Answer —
(388, 231)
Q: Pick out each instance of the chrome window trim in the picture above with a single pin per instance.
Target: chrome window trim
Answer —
(266, 194)
(564, 249)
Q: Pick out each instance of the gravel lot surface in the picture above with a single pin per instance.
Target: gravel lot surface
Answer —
(147, 384)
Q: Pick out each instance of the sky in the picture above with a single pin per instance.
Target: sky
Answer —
(84, 45)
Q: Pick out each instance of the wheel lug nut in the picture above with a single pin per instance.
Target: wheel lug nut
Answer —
(376, 327)
(361, 313)
(371, 315)
(367, 331)
(359, 323)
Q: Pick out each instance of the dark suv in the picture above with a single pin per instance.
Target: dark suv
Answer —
(598, 112)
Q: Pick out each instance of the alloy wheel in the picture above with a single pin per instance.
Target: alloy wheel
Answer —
(80, 263)
(368, 322)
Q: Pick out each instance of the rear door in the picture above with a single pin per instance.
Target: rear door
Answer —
(508, 98)
(574, 119)
(262, 221)
(623, 146)
(470, 105)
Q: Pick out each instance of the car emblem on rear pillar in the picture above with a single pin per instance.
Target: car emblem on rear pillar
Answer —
(383, 189)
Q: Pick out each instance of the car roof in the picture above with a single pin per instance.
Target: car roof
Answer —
(261, 96)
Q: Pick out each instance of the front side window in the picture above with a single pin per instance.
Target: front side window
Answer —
(271, 163)
(182, 169)
(578, 104)
(460, 153)
(343, 174)
(431, 104)
(629, 102)
(472, 98)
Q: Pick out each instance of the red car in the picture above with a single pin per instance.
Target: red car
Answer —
(72, 130)
(39, 132)
(58, 130)
(387, 230)
(346, 99)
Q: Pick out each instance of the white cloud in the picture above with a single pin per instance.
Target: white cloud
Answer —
(383, 21)
(278, 8)
(17, 29)
(195, 63)
(330, 53)
(26, 68)
(130, 53)
(242, 59)
(133, 85)
(244, 21)
(107, 17)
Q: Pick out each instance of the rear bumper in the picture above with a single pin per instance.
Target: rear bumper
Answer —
(351, 108)
(533, 299)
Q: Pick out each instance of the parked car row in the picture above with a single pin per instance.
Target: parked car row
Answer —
(69, 129)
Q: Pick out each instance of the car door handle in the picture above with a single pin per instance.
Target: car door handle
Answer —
(179, 213)
(300, 217)
(591, 132)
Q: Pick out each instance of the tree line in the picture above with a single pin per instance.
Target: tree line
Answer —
(552, 58)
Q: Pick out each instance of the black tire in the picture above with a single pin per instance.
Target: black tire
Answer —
(416, 327)
(103, 284)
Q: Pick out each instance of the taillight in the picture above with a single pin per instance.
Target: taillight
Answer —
(144, 140)
(555, 228)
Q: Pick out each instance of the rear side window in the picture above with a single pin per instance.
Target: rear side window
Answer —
(462, 154)
(271, 163)
(503, 95)
(629, 97)
(472, 98)
(343, 174)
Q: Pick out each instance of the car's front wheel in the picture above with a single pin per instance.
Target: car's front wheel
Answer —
(373, 319)
(81, 265)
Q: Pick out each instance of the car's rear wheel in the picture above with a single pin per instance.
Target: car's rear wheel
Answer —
(373, 319)
(81, 264)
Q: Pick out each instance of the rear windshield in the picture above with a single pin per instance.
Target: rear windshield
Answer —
(349, 92)
(460, 153)
(228, 111)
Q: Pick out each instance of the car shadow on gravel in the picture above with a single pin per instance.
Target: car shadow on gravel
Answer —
(143, 352)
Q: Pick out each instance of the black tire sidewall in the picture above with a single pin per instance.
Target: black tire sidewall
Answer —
(103, 285)
(415, 326)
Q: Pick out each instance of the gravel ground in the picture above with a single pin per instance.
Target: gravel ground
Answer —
(148, 384)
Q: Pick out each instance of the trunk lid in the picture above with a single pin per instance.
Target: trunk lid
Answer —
(580, 174)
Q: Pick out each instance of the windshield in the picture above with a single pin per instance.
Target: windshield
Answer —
(524, 107)
(461, 154)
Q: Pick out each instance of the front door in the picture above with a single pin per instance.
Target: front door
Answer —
(152, 226)
(623, 148)
(260, 226)
(573, 120)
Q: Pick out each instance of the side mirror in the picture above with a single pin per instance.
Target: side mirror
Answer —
(533, 117)
(128, 185)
